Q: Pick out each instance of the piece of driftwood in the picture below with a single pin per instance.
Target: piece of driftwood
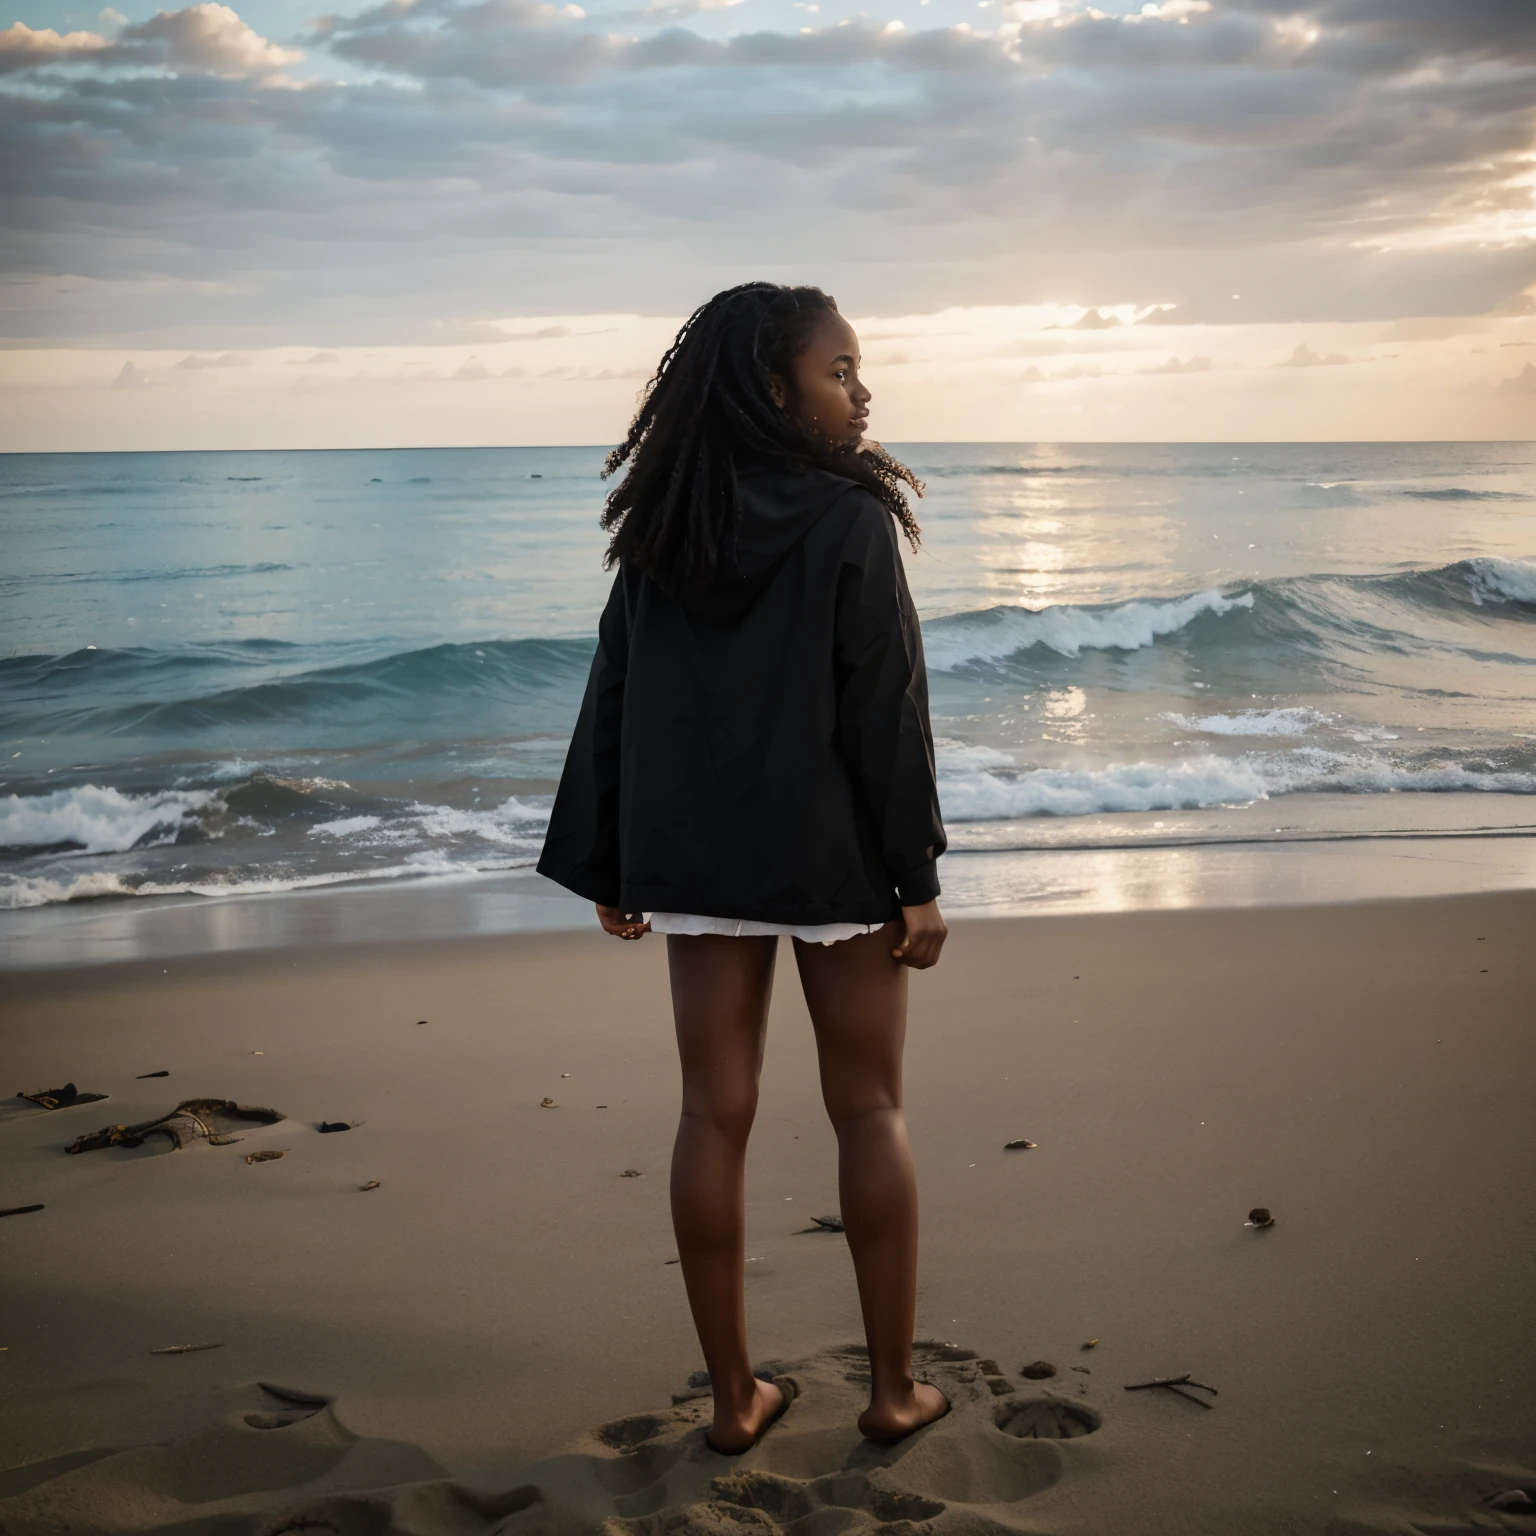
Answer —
(59, 1098)
(191, 1120)
(184, 1349)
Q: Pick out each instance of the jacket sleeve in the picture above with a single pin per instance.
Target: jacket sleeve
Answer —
(581, 848)
(882, 686)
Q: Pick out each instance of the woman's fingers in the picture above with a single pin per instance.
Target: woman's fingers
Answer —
(622, 924)
(923, 937)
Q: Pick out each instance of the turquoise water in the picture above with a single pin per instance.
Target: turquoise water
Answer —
(268, 671)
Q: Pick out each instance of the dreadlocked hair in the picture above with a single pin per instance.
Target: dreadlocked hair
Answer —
(710, 401)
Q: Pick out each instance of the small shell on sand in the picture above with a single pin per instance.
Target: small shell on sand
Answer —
(1020, 1145)
(631, 1173)
(371, 1184)
(269, 1156)
(548, 1104)
(1259, 1216)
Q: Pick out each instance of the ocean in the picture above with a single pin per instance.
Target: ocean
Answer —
(242, 673)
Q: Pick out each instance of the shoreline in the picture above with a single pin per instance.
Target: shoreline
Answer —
(1220, 874)
(1365, 1070)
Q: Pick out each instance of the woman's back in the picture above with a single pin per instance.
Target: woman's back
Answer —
(760, 749)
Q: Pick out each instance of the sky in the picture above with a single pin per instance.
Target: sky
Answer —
(481, 221)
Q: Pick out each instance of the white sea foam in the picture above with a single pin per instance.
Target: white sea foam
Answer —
(1176, 786)
(1253, 722)
(97, 819)
(345, 826)
(39, 891)
(511, 822)
(1066, 630)
(1502, 581)
(1186, 784)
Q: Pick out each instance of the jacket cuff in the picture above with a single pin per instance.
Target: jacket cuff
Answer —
(918, 886)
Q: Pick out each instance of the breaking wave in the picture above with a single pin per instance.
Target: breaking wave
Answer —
(969, 792)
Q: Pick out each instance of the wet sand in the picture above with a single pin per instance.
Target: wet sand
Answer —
(1365, 1071)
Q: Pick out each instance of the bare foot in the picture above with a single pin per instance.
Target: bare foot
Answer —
(900, 1416)
(733, 1433)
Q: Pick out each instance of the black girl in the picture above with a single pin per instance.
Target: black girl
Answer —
(753, 758)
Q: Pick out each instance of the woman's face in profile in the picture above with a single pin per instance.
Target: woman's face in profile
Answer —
(823, 391)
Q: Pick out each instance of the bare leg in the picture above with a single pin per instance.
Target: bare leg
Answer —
(857, 995)
(720, 993)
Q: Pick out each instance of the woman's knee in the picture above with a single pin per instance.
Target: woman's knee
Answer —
(853, 1113)
(728, 1113)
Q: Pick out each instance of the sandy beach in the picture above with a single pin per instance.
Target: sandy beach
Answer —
(492, 1338)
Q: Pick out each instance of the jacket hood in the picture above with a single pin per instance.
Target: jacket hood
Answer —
(777, 504)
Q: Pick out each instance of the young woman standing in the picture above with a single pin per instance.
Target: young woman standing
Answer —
(753, 758)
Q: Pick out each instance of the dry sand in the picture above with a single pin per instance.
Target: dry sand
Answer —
(496, 1334)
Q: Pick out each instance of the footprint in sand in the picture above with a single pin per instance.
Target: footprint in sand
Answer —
(288, 1465)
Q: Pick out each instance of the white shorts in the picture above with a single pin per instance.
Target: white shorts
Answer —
(741, 928)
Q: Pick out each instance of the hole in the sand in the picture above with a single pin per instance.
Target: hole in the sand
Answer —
(1046, 1418)
(631, 1433)
(640, 1468)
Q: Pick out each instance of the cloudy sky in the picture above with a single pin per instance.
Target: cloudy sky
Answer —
(479, 221)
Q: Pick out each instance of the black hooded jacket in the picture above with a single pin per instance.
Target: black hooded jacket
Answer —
(761, 750)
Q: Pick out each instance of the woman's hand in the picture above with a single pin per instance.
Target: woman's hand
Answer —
(622, 924)
(926, 932)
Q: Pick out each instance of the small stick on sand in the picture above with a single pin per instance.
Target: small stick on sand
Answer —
(184, 1349)
(20, 1210)
(1175, 1384)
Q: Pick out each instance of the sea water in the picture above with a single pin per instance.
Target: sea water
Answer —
(266, 672)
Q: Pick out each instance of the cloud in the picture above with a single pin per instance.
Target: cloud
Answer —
(472, 369)
(1366, 161)
(1522, 383)
(192, 362)
(1305, 357)
(310, 362)
(1192, 365)
(23, 48)
(205, 39)
(208, 39)
(130, 377)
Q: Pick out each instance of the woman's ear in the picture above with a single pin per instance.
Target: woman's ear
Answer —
(777, 391)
